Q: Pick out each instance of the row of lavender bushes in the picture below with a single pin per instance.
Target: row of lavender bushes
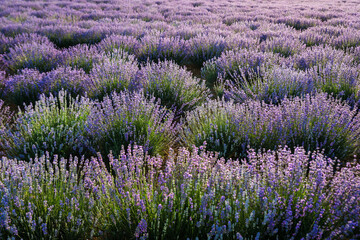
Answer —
(67, 23)
(268, 73)
(66, 126)
(36, 51)
(279, 194)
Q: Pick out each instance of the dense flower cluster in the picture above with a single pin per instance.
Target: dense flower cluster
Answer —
(23, 87)
(162, 48)
(127, 43)
(320, 56)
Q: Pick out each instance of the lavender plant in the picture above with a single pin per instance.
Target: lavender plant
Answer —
(8, 42)
(312, 38)
(299, 23)
(156, 48)
(61, 36)
(113, 42)
(274, 85)
(339, 80)
(47, 198)
(74, 81)
(356, 54)
(81, 56)
(65, 36)
(173, 85)
(204, 47)
(5, 42)
(240, 63)
(320, 57)
(116, 72)
(285, 46)
(347, 40)
(53, 124)
(212, 123)
(129, 118)
(43, 57)
(24, 87)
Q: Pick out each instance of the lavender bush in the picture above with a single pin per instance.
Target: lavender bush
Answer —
(46, 198)
(312, 38)
(298, 23)
(347, 40)
(240, 63)
(27, 86)
(129, 118)
(274, 85)
(81, 56)
(74, 81)
(8, 42)
(356, 54)
(5, 42)
(24, 87)
(115, 72)
(53, 124)
(339, 80)
(173, 85)
(285, 46)
(127, 43)
(41, 56)
(61, 36)
(65, 35)
(321, 56)
(156, 48)
(204, 47)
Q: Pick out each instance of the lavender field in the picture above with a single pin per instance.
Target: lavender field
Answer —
(169, 119)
